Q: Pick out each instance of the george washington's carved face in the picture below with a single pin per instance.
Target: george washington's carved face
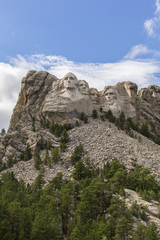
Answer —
(70, 81)
(83, 87)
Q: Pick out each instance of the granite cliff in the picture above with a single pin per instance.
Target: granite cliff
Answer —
(45, 98)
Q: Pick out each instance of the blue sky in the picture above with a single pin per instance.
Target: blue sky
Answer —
(101, 41)
(82, 31)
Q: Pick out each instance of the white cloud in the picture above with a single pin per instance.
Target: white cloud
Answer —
(151, 25)
(96, 74)
(137, 51)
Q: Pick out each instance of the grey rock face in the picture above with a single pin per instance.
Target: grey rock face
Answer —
(153, 207)
(68, 95)
(150, 109)
(42, 94)
(63, 100)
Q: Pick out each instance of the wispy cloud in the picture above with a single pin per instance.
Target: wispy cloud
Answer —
(140, 51)
(152, 24)
(137, 51)
(98, 75)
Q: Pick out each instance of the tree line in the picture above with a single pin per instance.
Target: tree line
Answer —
(90, 206)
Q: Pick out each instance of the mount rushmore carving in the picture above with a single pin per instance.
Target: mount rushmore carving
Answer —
(44, 95)
(70, 94)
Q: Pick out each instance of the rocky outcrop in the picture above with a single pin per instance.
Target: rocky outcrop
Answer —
(152, 207)
(44, 96)
(150, 107)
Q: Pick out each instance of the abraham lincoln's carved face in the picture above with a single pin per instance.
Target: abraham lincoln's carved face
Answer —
(110, 95)
(93, 93)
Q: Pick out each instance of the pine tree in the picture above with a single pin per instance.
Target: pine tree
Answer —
(94, 114)
(37, 160)
(55, 155)
(77, 154)
(64, 137)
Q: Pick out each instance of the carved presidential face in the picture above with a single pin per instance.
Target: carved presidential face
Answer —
(83, 87)
(110, 95)
(70, 81)
(93, 93)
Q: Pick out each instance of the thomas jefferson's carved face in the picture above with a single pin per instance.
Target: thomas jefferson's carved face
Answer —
(83, 87)
(110, 95)
(93, 93)
(70, 81)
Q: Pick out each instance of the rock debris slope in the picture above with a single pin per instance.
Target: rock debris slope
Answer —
(102, 142)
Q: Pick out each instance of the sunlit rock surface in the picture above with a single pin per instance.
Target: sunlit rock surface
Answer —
(44, 96)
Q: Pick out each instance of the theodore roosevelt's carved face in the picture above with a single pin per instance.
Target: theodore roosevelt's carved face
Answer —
(70, 81)
(93, 93)
(83, 87)
(110, 95)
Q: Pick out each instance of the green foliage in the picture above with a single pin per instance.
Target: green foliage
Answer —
(77, 154)
(55, 128)
(120, 122)
(117, 207)
(84, 118)
(146, 233)
(77, 123)
(139, 139)
(64, 137)
(139, 211)
(128, 125)
(1, 164)
(3, 131)
(81, 172)
(144, 130)
(26, 155)
(123, 228)
(109, 115)
(139, 179)
(158, 214)
(39, 181)
(102, 116)
(87, 207)
(11, 161)
(63, 146)
(63, 140)
(94, 114)
(47, 160)
(45, 226)
(43, 144)
(33, 124)
(37, 160)
(55, 155)
(101, 109)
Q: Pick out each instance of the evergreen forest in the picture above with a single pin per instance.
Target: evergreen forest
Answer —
(89, 206)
